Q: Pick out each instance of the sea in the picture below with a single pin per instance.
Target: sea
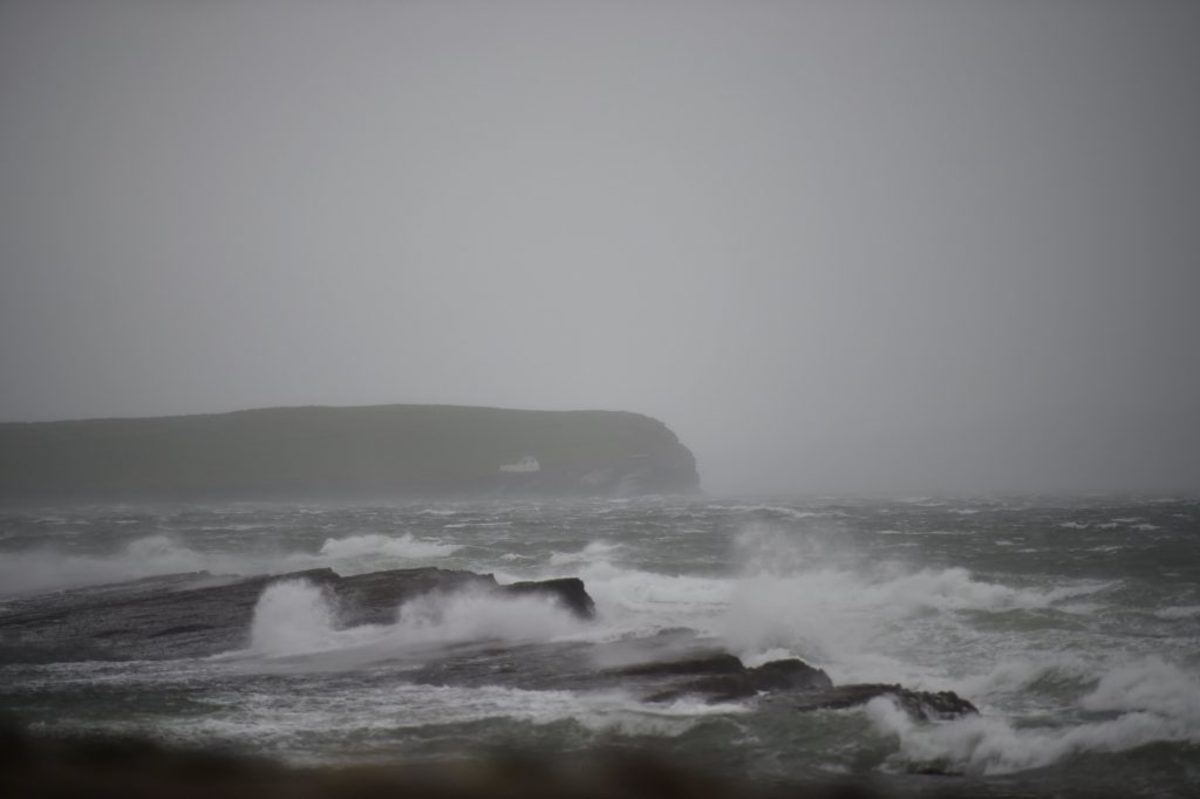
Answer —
(1072, 623)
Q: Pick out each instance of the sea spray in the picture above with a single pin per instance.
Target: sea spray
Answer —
(1154, 702)
(295, 617)
(292, 617)
(376, 545)
(478, 616)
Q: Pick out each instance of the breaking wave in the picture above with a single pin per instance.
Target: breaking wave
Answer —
(292, 617)
(47, 569)
(375, 544)
(296, 617)
(1147, 702)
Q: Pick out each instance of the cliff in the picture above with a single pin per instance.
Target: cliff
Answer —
(319, 452)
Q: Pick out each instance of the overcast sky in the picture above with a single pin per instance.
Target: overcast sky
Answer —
(840, 246)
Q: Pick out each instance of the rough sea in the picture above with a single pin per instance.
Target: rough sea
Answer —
(1073, 624)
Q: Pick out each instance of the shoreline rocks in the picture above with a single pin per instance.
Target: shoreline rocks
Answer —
(197, 615)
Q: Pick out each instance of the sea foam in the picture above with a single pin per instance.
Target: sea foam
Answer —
(1151, 702)
(296, 617)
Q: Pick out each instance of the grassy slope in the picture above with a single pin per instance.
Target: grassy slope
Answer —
(376, 449)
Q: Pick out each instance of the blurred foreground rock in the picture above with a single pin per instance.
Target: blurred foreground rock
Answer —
(124, 768)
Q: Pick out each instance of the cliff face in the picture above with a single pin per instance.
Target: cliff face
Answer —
(377, 451)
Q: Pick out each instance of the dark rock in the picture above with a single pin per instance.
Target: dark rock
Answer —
(922, 705)
(373, 598)
(566, 591)
(718, 663)
(726, 679)
(791, 674)
(197, 615)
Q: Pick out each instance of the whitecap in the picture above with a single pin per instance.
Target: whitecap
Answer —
(1155, 702)
(405, 546)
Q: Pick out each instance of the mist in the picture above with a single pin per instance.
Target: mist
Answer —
(835, 246)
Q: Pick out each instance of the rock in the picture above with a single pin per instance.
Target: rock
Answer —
(374, 597)
(921, 705)
(791, 674)
(197, 615)
(725, 678)
(566, 591)
(718, 663)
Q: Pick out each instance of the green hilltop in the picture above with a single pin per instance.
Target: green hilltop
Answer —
(325, 452)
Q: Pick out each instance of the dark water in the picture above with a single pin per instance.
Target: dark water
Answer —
(1073, 624)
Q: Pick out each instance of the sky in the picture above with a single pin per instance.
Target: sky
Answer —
(845, 246)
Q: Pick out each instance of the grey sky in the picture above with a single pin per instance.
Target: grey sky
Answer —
(889, 246)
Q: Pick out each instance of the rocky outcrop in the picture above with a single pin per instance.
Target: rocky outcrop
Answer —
(566, 591)
(721, 677)
(922, 705)
(378, 451)
(199, 614)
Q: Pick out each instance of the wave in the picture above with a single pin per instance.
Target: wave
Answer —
(594, 551)
(803, 597)
(1154, 702)
(292, 617)
(369, 717)
(847, 618)
(780, 510)
(47, 569)
(1054, 675)
(375, 544)
(296, 617)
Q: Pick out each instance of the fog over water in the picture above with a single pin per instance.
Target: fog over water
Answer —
(838, 246)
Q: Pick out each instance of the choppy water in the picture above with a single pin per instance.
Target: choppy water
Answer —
(1073, 624)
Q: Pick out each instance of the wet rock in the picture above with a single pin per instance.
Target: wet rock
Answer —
(374, 597)
(921, 705)
(568, 592)
(792, 674)
(726, 679)
(197, 614)
(192, 615)
(716, 663)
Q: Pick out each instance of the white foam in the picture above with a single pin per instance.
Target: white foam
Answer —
(1019, 675)
(46, 569)
(473, 616)
(292, 617)
(366, 711)
(595, 551)
(862, 620)
(634, 601)
(1151, 684)
(779, 510)
(295, 617)
(1155, 702)
(374, 544)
